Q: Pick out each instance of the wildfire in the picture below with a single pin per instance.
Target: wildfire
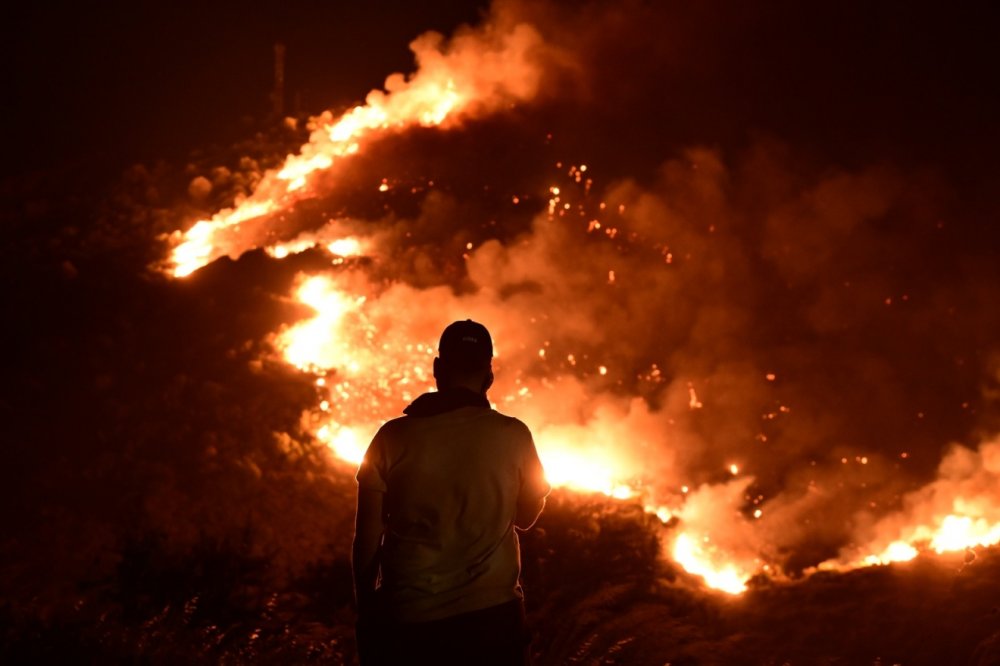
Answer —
(958, 511)
(953, 533)
(568, 466)
(370, 346)
(340, 342)
(702, 559)
(473, 73)
(359, 365)
(318, 343)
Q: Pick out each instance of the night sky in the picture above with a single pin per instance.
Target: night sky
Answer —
(118, 82)
(121, 82)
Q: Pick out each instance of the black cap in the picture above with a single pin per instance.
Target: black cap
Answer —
(466, 343)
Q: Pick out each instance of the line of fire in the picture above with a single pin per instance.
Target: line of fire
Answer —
(762, 379)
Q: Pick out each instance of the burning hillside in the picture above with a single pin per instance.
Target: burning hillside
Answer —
(757, 369)
(621, 310)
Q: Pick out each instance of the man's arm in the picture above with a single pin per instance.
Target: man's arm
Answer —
(534, 487)
(367, 540)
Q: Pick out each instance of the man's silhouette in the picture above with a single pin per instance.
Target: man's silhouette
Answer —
(440, 491)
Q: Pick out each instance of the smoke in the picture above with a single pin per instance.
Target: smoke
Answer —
(960, 509)
(477, 71)
(667, 332)
(766, 326)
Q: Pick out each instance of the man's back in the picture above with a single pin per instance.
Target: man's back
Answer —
(452, 481)
(440, 491)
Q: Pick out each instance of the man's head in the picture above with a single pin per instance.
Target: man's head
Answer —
(465, 357)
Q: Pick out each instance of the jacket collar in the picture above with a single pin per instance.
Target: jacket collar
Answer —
(439, 402)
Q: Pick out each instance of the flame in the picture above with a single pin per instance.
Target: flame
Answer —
(702, 559)
(566, 466)
(474, 73)
(339, 340)
(952, 533)
(340, 248)
(958, 511)
(961, 532)
(897, 551)
(318, 342)
(346, 443)
(345, 247)
(369, 348)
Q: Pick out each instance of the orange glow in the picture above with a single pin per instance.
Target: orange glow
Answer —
(953, 533)
(345, 247)
(317, 343)
(958, 511)
(474, 73)
(567, 466)
(339, 341)
(701, 559)
(346, 443)
(370, 346)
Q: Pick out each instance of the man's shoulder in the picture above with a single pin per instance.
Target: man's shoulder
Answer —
(511, 421)
(392, 425)
(493, 418)
(510, 424)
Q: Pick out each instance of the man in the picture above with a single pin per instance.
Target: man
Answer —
(440, 493)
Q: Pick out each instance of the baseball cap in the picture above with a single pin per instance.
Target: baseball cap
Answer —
(466, 342)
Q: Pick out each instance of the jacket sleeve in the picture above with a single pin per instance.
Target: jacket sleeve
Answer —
(372, 472)
(533, 484)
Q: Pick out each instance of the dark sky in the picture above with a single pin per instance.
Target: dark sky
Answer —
(112, 83)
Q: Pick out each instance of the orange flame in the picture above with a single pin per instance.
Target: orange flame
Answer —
(960, 510)
(474, 73)
(701, 559)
